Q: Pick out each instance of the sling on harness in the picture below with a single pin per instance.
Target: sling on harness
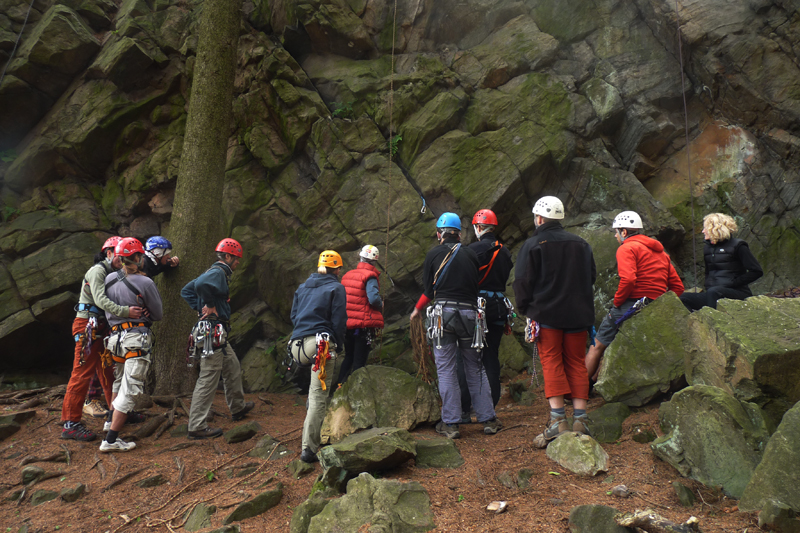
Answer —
(479, 338)
(323, 354)
(496, 247)
(87, 338)
(448, 260)
(635, 308)
(510, 316)
(532, 330)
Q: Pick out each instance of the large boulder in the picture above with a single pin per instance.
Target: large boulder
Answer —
(777, 476)
(605, 422)
(595, 519)
(385, 505)
(379, 396)
(580, 454)
(372, 450)
(646, 357)
(750, 349)
(712, 437)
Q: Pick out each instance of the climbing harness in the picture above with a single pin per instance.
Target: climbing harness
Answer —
(532, 331)
(479, 338)
(115, 341)
(635, 308)
(323, 354)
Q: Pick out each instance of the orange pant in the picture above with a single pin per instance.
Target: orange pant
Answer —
(72, 408)
(562, 356)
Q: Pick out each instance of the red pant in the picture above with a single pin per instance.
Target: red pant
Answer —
(72, 408)
(562, 356)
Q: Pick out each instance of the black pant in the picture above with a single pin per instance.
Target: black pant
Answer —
(491, 363)
(697, 300)
(356, 351)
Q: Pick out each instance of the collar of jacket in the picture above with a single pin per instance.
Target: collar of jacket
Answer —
(488, 236)
(548, 225)
(225, 267)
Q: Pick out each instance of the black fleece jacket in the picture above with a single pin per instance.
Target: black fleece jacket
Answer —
(459, 283)
(497, 278)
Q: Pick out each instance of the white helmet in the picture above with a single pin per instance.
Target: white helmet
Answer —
(549, 207)
(627, 220)
(369, 252)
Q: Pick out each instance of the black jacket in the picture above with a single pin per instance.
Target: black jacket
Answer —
(459, 283)
(497, 278)
(730, 264)
(555, 273)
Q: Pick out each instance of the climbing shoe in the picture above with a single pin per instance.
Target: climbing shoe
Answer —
(558, 426)
(76, 431)
(490, 427)
(579, 426)
(118, 445)
(94, 409)
(448, 430)
(307, 456)
(248, 406)
(206, 433)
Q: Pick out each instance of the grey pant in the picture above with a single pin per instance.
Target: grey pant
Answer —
(222, 362)
(317, 398)
(477, 383)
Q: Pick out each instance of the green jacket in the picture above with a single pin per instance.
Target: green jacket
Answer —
(93, 291)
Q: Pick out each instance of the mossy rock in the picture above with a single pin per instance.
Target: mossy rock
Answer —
(605, 422)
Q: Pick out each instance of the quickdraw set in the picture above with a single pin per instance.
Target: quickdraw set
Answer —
(479, 337)
(322, 357)
(206, 336)
(510, 316)
(532, 336)
(87, 338)
(435, 324)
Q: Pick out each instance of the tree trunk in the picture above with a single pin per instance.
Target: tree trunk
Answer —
(195, 227)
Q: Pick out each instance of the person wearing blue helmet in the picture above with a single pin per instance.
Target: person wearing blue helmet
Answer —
(450, 280)
(157, 256)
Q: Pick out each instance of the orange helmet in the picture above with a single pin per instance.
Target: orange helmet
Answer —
(230, 246)
(329, 259)
(485, 216)
(128, 246)
(111, 242)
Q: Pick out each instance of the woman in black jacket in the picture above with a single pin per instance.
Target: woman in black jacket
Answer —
(730, 265)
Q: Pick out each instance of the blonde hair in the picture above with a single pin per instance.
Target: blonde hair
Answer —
(719, 227)
(327, 270)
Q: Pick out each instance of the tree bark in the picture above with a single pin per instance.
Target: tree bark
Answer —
(195, 227)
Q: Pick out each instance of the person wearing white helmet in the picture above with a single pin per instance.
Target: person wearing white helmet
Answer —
(553, 283)
(645, 271)
(364, 311)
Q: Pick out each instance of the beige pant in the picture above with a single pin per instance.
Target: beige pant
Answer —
(129, 382)
(317, 398)
(222, 362)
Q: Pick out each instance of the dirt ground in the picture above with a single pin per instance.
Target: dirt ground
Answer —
(458, 496)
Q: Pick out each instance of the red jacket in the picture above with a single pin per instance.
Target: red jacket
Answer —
(644, 270)
(359, 313)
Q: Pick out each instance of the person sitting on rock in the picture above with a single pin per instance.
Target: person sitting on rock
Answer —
(209, 295)
(89, 329)
(553, 286)
(158, 258)
(730, 265)
(645, 271)
(450, 278)
(131, 341)
(364, 311)
(319, 317)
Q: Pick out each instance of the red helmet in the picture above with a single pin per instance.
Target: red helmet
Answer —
(128, 246)
(111, 242)
(485, 216)
(230, 246)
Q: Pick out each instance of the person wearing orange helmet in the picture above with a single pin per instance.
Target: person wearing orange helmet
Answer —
(208, 294)
(319, 317)
(131, 341)
(89, 328)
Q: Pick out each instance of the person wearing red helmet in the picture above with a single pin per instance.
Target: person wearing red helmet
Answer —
(208, 294)
(89, 328)
(131, 341)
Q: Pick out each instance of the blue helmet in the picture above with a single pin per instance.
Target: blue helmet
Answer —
(157, 242)
(449, 220)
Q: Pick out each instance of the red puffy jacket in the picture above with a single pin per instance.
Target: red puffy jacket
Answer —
(644, 270)
(359, 313)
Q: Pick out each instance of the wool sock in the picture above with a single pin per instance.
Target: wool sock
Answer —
(558, 412)
(111, 437)
(579, 413)
(69, 425)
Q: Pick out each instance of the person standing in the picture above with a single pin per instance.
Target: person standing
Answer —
(645, 271)
(730, 265)
(209, 295)
(158, 258)
(364, 311)
(89, 328)
(554, 276)
(319, 317)
(130, 341)
(450, 279)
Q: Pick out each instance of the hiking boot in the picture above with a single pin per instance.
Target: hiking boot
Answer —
(579, 426)
(135, 418)
(558, 426)
(307, 456)
(490, 427)
(205, 433)
(94, 409)
(448, 430)
(248, 406)
(118, 445)
(77, 431)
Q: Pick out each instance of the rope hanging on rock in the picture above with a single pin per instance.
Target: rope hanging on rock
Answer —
(16, 43)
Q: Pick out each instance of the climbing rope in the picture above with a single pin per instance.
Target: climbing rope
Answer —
(16, 43)
(686, 132)
(391, 82)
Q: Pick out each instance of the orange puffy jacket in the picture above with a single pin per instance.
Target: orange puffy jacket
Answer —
(644, 269)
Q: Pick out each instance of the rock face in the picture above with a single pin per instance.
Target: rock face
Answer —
(778, 473)
(582, 100)
(378, 396)
(647, 355)
(370, 451)
(750, 349)
(384, 504)
(699, 422)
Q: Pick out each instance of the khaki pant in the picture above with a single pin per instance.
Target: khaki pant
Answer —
(317, 398)
(222, 362)
(129, 382)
